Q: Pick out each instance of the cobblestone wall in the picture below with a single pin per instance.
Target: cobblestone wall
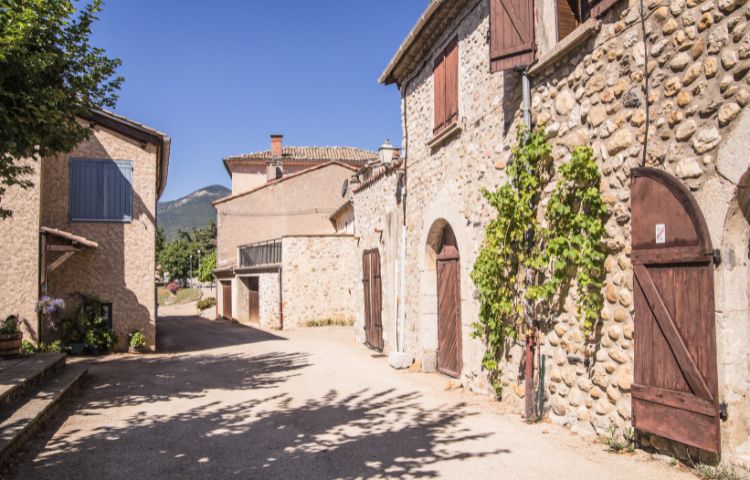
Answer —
(377, 219)
(318, 279)
(269, 300)
(698, 58)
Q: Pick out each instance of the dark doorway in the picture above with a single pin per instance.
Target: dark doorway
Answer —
(226, 300)
(449, 358)
(253, 301)
(373, 291)
(675, 389)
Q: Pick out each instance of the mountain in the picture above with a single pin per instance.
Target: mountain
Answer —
(192, 211)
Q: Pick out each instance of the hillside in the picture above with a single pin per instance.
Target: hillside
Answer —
(192, 211)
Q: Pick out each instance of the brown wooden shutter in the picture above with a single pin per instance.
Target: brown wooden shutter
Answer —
(511, 33)
(438, 75)
(598, 7)
(451, 83)
(566, 19)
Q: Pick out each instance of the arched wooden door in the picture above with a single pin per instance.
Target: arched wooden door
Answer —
(373, 291)
(675, 389)
(449, 356)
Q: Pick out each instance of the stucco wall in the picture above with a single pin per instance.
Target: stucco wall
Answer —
(378, 225)
(298, 206)
(318, 279)
(121, 270)
(698, 60)
(244, 181)
(19, 263)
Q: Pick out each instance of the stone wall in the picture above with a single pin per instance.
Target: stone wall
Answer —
(269, 300)
(19, 263)
(378, 220)
(121, 270)
(444, 183)
(318, 279)
(698, 58)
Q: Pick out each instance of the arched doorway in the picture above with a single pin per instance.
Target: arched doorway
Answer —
(449, 354)
(675, 389)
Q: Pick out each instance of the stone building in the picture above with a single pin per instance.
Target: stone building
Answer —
(670, 81)
(88, 225)
(281, 261)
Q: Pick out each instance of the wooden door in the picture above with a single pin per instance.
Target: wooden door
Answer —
(254, 300)
(226, 299)
(675, 389)
(449, 359)
(373, 296)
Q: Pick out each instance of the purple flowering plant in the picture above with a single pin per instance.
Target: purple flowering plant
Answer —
(173, 288)
(50, 306)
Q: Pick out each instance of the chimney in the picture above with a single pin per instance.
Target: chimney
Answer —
(275, 166)
(276, 140)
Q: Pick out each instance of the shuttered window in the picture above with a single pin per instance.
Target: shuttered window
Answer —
(511, 34)
(445, 76)
(101, 190)
(567, 18)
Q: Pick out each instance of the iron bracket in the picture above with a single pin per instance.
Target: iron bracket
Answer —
(723, 411)
(717, 257)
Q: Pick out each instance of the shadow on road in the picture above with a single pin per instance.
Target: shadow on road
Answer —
(361, 435)
(192, 334)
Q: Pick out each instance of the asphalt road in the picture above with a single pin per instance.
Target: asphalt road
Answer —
(229, 401)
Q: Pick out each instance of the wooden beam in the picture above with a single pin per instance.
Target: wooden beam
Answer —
(43, 262)
(57, 263)
(63, 248)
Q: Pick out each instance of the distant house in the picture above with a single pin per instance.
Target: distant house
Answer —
(88, 226)
(281, 262)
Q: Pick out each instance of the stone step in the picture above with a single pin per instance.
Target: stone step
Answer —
(19, 375)
(24, 417)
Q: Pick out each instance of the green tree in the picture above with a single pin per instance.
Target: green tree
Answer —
(175, 259)
(208, 265)
(160, 240)
(50, 76)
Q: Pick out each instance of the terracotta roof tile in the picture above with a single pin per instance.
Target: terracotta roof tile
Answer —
(313, 154)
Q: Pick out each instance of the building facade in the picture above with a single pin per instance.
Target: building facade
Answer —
(671, 81)
(279, 254)
(88, 226)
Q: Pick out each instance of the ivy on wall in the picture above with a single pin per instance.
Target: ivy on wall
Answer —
(527, 261)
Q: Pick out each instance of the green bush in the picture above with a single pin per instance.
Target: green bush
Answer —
(206, 303)
(88, 326)
(137, 340)
(9, 325)
(30, 347)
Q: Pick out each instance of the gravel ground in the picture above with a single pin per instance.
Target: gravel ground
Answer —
(229, 401)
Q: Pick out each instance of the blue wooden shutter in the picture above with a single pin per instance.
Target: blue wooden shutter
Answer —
(101, 190)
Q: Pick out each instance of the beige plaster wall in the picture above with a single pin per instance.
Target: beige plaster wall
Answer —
(244, 181)
(300, 205)
(19, 263)
(121, 270)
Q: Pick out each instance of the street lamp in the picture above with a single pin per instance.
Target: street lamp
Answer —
(386, 152)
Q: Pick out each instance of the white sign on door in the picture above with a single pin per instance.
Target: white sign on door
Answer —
(661, 233)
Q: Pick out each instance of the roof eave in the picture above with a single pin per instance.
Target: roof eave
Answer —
(387, 77)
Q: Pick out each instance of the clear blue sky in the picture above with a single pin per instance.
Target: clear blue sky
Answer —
(220, 76)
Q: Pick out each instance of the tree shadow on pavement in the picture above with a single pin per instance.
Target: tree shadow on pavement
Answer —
(366, 434)
(193, 334)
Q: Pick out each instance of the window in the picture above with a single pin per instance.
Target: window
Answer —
(572, 13)
(512, 28)
(101, 190)
(445, 77)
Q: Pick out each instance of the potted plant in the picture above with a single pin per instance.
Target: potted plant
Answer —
(136, 342)
(11, 337)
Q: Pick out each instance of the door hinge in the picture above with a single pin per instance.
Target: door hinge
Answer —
(723, 411)
(717, 257)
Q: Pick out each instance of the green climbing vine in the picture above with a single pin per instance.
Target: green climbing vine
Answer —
(527, 261)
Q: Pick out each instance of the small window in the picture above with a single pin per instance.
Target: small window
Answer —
(445, 77)
(572, 13)
(101, 190)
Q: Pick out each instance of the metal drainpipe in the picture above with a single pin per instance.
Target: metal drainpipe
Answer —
(281, 302)
(402, 294)
(526, 90)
